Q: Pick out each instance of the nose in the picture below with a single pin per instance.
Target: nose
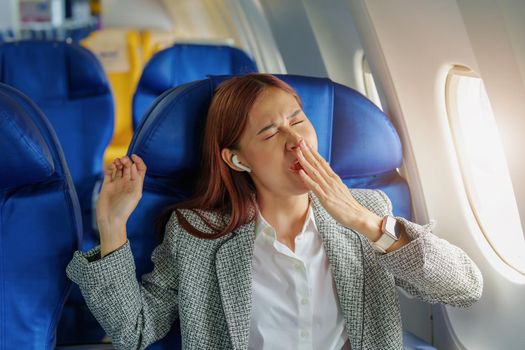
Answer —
(292, 140)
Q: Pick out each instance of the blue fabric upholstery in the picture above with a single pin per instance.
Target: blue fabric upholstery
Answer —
(411, 342)
(40, 225)
(183, 63)
(353, 134)
(68, 83)
(28, 159)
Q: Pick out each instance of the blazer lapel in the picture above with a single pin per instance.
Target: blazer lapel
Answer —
(233, 263)
(345, 257)
(234, 272)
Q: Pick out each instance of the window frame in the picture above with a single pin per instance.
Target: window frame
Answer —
(451, 102)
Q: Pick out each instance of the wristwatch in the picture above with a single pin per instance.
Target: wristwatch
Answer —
(391, 230)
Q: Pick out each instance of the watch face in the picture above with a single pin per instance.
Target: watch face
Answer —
(393, 227)
(398, 228)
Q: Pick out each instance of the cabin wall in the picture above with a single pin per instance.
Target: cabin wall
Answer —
(5, 14)
(203, 19)
(411, 48)
(497, 34)
(256, 35)
(131, 14)
(8, 14)
(338, 41)
(513, 11)
(294, 37)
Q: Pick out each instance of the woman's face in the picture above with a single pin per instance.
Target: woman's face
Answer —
(276, 125)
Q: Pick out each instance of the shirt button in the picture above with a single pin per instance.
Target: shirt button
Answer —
(304, 333)
(297, 266)
(300, 237)
(304, 301)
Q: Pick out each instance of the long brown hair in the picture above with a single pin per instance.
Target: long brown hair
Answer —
(220, 188)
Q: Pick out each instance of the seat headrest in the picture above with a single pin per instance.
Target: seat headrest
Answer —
(28, 64)
(354, 135)
(26, 157)
(176, 65)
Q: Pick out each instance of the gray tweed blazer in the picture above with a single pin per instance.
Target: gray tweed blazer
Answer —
(207, 283)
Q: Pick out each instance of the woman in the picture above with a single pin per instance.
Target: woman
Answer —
(273, 251)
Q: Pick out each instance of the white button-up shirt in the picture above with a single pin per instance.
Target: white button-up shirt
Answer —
(294, 300)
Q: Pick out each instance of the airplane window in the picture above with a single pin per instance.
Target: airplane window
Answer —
(483, 165)
(370, 85)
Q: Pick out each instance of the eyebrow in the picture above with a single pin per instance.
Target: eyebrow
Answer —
(273, 123)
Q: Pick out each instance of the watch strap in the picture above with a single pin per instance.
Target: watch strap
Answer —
(387, 238)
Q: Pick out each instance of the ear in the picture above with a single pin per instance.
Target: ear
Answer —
(227, 154)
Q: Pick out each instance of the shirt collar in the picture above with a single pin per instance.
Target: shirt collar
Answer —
(262, 225)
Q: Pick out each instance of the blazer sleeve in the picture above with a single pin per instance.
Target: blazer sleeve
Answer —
(429, 267)
(133, 314)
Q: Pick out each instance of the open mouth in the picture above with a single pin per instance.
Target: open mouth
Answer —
(296, 166)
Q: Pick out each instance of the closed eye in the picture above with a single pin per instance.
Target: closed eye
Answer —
(269, 137)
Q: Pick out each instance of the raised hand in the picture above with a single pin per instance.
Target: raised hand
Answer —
(120, 193)
(333, 194)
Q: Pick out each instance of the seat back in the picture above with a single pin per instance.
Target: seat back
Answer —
(355, 137)
(68, 83)
(183, 63)
(40, 225)
(154, 41)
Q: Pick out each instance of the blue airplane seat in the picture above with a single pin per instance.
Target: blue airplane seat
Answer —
(411, 342)
(354, 136)
(40, 225)
(183, 63)
(68, 83)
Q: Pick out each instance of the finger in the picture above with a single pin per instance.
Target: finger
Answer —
(114, 163)
(311, 171)
(127, 168)
(324, 164)
(108, 172)
(308, 154)
(118, 163)
(134, 173)
(114, 174)
(109, 169)
(311, 184)
(118, 167)
(118, 174)
(141, 166)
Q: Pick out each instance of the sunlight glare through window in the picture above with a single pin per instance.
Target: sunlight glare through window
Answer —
(484, 167)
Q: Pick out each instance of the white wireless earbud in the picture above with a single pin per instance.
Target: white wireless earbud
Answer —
(238, 164)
